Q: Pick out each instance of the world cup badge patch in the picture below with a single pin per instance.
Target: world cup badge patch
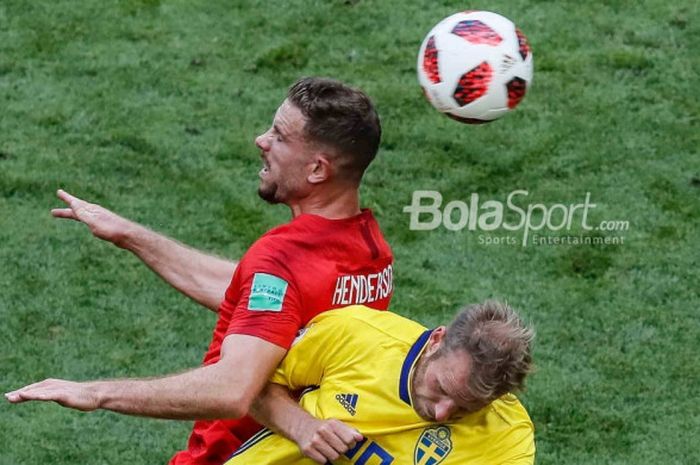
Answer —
(433, 446)
(267, 293)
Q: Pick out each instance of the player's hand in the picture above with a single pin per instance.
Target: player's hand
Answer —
(103, 223)
(326, 440)
(69, 394)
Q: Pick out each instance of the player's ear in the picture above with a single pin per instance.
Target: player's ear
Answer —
(435, 340)
(321, 169)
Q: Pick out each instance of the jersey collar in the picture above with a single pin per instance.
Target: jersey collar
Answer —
(409, 363)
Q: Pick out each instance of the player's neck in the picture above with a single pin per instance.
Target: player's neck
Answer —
(331, 203)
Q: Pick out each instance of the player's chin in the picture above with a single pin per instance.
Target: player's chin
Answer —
(268, 193)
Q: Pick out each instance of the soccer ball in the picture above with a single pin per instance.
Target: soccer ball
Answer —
(475, 66)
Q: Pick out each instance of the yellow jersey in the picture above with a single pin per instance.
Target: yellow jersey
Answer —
(357, 364)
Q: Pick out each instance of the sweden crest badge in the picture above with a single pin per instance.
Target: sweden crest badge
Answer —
(433, 446)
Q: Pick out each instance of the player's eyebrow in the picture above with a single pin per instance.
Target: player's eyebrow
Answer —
(441, 386)
(278, 130)
(462, 398)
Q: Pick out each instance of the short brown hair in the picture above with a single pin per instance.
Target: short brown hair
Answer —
(499, 344)
(340, 118)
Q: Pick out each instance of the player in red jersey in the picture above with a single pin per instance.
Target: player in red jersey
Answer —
(332, 254)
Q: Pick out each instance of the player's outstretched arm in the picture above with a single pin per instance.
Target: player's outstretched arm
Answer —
(320, 440)
(225, 389)
(200, 276)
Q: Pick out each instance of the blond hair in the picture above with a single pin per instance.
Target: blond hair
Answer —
(499, 344)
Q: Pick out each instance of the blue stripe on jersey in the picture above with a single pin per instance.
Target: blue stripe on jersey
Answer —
(256, 438)
(409, 362)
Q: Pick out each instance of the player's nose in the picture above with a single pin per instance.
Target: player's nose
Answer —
(444, 409)
(263, 142)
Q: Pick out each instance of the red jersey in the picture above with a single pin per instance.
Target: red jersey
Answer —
(286, 278)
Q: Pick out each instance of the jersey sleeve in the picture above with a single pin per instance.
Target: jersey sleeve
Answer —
(317, 352)
(516, 446)
(269, 305)
(522, 447)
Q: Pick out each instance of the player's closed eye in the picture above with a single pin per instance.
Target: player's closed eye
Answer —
(277, 134)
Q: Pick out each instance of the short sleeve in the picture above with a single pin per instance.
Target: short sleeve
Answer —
(517, 447)
(523, 447)
(269, 303)
(316, 352)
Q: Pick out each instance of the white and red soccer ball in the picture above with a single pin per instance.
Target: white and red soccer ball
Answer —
(475, 66)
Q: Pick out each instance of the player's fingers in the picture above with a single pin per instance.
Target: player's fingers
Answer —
(312, 451)
(348, 435)
(336, 442)
(71, 200)
(13, 397)
(39, 394)
(48, 389)
(327, 451)
(63, 213)
(25, 394)
(44, 385)
(32, 386)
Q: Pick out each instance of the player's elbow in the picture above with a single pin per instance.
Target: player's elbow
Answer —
(225, 397)
(234, 399)
(238, 405)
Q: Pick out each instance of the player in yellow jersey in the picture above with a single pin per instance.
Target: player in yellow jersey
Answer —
(418, 396)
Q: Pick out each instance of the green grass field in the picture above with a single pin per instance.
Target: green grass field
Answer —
(150, 108)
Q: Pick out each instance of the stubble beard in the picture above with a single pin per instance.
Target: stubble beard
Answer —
(269, 194)
(419, 374)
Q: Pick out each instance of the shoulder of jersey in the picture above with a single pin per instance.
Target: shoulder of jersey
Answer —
(295, 231)
(273, 241)
(384, 322)
(510, 410)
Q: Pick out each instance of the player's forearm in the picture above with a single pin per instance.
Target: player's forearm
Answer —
(201, 277)
(276, 409)
(202, 393)
(225, 389)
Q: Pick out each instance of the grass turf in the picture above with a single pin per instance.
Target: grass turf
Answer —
(150, 107)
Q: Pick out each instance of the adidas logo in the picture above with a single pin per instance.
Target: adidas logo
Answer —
(348, 401)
